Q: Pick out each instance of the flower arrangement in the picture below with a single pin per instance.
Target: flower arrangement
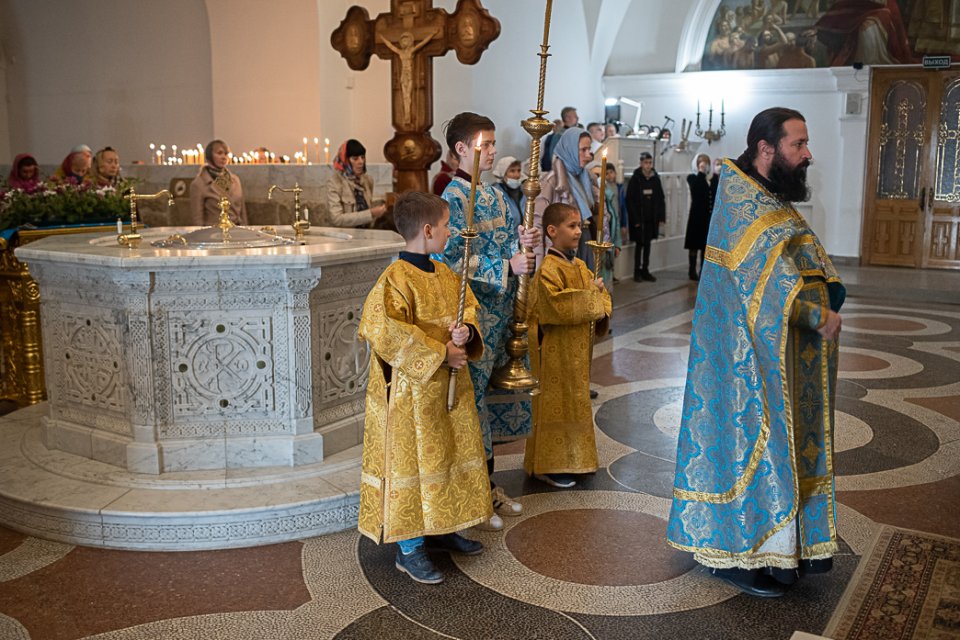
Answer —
(60, 204)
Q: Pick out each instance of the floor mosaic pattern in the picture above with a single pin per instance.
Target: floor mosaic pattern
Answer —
(590, 562)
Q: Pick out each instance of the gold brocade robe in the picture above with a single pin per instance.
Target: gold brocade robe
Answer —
(423, 468)
(564, 303)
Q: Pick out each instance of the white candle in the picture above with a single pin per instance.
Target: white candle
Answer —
(119, 227)
(306, 214)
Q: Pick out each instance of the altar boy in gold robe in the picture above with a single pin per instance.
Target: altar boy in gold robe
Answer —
(568, 307)
(424, 473)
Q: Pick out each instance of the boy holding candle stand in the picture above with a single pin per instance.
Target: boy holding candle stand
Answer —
(495, 259)
(423, 473)
(568, 306)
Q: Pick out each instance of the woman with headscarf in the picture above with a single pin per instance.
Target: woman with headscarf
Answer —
(25, 173)
(350, 189)
(215, 181)
(105, 170)
(510, 180)
(570, 183)
(74, 167)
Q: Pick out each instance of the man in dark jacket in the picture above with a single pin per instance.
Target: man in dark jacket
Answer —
(647, 209)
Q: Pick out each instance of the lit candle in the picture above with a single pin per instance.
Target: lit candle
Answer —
(603, 195)
(153, 148)
(316, 141)
(473, 180)
(546, 23)
(326, 155)
(157, 159)
(304, 147)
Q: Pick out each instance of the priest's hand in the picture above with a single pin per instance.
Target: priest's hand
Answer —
(529, 237)
(523, 263)
(830, 329)
(459, 334)
(456, 356)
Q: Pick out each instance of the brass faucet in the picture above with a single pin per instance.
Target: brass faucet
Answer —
(132, 240)
(300, 224)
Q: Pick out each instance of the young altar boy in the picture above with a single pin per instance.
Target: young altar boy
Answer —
(495, 261)
(566, 304)
(424, 475)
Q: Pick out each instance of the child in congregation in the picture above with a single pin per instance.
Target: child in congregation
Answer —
(495, 261)
(566, 303)
(423, 475)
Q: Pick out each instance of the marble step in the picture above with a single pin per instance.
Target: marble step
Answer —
(60, 496)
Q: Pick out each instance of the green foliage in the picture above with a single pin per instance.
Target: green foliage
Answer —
(62, 204)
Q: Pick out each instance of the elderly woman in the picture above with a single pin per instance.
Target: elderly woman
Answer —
(507, 171)
(350, 190)
(24, 173)
(569, 182)
(105, 170)
(74, 167)
(214, 182)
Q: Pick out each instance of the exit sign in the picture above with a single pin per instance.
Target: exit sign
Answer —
(936, 62)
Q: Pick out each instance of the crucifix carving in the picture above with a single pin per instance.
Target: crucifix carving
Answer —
(410, 35)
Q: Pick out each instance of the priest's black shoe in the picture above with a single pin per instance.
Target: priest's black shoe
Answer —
(454, 543)
(752, 582)
(822, 565)
(649, 277)
(418, 566)
(785, 577)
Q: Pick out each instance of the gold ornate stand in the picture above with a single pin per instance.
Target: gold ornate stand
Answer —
(514, 375)
(21, 344)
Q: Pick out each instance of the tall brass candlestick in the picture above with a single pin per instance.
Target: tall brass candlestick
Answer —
(468, 235)
(514, 375)
(598, 246)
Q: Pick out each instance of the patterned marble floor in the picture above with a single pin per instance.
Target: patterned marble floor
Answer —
(584, 563)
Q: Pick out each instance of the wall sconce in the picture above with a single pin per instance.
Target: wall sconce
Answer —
(711, 135)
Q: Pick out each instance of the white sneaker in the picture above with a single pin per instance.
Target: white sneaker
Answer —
(504, 505)
(495, 523)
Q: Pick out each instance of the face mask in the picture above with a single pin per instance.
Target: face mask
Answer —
(513, 183)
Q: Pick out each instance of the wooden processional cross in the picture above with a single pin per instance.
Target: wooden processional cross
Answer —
(410, 35)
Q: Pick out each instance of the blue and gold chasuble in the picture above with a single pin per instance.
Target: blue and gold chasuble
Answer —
(754, 477)
(504, 415)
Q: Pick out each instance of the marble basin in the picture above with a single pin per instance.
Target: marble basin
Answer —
(162, 359)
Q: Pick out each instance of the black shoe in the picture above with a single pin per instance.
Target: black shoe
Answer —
(638, 278)
(822, 565)
(419, 566)
(646, 275)
(693, 276)
(751, 581)
(593, 394)
(454, 543)
(786, 577)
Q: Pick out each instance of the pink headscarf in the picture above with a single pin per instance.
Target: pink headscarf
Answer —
(14, 179)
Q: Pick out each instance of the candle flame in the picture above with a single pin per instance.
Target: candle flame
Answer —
(604, 154)
(316, 141)
(304, 141)
(479, 140)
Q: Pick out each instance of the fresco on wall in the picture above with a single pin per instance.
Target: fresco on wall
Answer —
(791, 34)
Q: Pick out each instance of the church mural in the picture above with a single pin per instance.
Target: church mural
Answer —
(791, 34)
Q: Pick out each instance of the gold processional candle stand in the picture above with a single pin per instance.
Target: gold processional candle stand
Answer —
(514, 375)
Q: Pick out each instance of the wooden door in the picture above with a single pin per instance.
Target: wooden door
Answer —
(913, 170)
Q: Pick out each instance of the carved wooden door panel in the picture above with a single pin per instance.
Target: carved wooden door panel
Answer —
(893, 224)
(942, 212)
(913, 170)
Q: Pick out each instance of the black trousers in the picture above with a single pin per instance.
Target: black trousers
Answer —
(641, 253)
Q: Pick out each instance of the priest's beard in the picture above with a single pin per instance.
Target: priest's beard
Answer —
(788, 183)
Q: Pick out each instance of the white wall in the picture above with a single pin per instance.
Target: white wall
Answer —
(105, 72)
(836, 140)
(4, 118)
(503, 85)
